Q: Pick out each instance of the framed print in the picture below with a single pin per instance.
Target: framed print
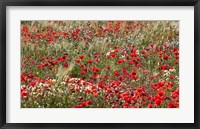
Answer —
(99, 64)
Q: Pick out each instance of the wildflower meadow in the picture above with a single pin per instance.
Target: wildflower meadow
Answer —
(99, 64)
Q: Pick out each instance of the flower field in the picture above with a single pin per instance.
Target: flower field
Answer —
(99, 64)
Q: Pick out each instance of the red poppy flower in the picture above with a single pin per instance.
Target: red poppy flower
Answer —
(174, 95)
(24, 94)
(150, 106)
(50, 39)
(85, 69)
(40, 66)
(153, 98)
(161, 93)
(82, 72)
(30, 75)
(113, 55)
(78, 106)
(65, 64)
(32, 83)
(120, 61)
(82, 56)
(42, 58)
(120, 78)
(89, 61)
(90, 102)
(95, 94)
(115, 72)
(84, 104)
(165, 57)
(78, 61)
(171, 105)
(139, 89)
(151, 45)
(143, 52)
(124, 70)
(157, 101)
(108, 67)
(23, 78)
(131, 62)
(134, 77)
